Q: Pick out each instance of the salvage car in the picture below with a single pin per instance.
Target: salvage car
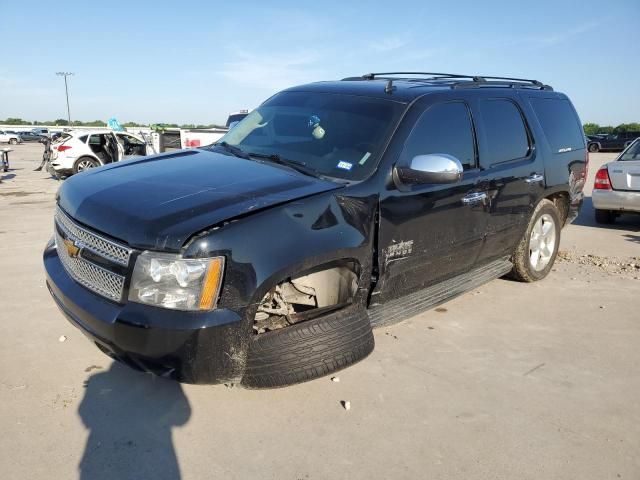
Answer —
(616, 189)
(80, 150)
(331, 209)
(30, 137)
(10, 137)
(612, 142)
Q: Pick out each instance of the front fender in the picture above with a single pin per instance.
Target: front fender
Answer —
(269, 246)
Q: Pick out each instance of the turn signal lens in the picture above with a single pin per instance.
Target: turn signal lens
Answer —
(602, 180)
(211, 284)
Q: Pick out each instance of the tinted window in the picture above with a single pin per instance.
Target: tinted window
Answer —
(443, 128)
(83, 139)
(505, 133)
(340, 136)
(559, 123)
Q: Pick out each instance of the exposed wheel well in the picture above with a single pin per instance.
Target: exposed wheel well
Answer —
(561, 201)
(307, 294)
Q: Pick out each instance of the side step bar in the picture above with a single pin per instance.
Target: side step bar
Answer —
(400, 309)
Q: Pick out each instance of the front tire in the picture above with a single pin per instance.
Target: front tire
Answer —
(594, 147)
(604, 216)
(13, 141)
(537, 251)
(308, 350)
(85, 163)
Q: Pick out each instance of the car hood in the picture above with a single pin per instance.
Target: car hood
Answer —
(159, 202)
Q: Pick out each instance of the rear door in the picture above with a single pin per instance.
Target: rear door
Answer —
(432, 232)
(512, 173)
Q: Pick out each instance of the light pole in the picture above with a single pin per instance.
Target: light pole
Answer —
(66, 89)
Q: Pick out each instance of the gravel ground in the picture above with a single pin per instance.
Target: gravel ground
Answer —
(536, 381)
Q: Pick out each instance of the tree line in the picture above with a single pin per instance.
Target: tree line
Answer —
(593, 128)
(61, 122)
(589, 128)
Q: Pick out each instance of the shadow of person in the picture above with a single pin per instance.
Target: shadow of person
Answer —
(130, 415)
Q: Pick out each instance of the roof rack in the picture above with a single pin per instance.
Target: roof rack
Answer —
(470, 81)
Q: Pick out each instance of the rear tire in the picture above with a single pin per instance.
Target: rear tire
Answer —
(13, 141)
(85, 163)
(308, 350)
(604, 216)
(537, 251)
(594, 147)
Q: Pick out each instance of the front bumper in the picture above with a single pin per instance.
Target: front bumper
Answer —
(191, 347)
(616, 200)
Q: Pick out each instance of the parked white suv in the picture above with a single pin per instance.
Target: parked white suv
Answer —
(12, 138)
(80, 150)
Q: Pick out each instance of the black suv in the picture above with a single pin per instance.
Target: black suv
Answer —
(334, 207)
(613, 141)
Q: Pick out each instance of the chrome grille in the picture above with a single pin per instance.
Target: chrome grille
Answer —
(99, 245)
(94, 277)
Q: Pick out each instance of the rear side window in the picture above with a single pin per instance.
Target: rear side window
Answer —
(83, 138)
(443, 128)
(505, 133)
(559, 124)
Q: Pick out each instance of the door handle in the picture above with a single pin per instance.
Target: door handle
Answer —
(535, 178)
(474, 197)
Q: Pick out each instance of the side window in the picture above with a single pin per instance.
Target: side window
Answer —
(129, 139)
(83, 139)
(95, 140)
(505, 133)
(443, 128)
(559, 124)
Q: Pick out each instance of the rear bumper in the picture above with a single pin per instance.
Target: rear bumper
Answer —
(208, 347)
(616, 200)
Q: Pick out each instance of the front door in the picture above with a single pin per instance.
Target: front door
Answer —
(428, 233)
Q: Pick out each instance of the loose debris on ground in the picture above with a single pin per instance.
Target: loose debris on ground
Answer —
(629, 266)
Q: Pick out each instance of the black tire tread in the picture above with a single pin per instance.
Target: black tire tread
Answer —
(308, 350)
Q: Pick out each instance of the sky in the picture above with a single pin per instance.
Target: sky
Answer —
(196, 61)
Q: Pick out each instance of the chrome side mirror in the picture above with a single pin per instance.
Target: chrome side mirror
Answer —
(433, 168)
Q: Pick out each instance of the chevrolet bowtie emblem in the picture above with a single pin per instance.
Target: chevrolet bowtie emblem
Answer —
(72, 249)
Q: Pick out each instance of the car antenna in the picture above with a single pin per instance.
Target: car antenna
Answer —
(389, 88)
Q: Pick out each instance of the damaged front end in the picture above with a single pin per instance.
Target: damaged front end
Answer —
(308, 296)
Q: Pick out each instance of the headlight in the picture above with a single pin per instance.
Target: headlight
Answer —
(169, 281)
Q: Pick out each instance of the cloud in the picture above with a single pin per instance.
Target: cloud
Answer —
(555, 38)
(389, 44)
(273, 71)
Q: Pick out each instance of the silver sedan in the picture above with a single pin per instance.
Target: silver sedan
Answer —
(617, 186)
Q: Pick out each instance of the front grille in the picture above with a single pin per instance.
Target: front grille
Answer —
(91, 241)
(100, 280)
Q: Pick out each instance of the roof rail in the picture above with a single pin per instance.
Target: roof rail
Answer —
(473, 81)
(515, 83)
(372, 76)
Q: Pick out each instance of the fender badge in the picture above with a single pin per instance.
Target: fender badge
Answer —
(72, 249)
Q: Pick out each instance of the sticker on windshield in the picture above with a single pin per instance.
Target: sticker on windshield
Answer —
(344, 165)
(364, 158)
(314, 121)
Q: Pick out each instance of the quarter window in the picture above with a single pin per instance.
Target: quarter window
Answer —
(504, 131)
(443, 128)
(559, 123)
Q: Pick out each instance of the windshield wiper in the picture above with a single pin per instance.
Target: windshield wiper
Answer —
(233, 150)
(298, 166)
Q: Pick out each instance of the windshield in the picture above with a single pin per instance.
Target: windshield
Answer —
(338, 136)
(632, 153)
